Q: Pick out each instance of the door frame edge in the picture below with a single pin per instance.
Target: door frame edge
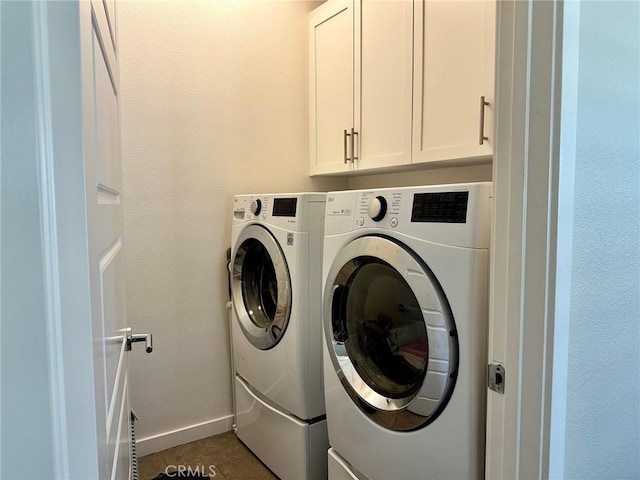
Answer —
(524, 227)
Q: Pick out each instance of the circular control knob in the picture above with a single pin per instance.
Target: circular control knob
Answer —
(256, 206)
(377, 208)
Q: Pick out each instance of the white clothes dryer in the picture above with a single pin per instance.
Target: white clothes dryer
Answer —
(405, 319)
(276, 269)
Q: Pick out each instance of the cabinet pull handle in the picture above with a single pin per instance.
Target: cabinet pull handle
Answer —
(483, 103)
(346, 148)
(353, 145)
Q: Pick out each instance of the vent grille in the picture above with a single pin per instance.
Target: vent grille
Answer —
(134, 455)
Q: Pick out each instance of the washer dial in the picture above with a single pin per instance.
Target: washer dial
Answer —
(256, 206)
(377, 208)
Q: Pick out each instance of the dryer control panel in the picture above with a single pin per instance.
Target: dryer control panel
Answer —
(440, 213)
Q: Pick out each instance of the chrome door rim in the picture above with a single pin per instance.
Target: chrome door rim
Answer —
(267, 337)
(420, 407)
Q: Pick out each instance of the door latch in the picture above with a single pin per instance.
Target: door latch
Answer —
(496, 377)
(140, 337)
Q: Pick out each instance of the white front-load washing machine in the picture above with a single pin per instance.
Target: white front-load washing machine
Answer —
(276, 269)
(405, 321)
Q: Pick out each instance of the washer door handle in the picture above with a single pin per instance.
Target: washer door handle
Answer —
(340, 293)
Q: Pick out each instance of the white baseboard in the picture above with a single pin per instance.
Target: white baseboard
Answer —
(173, 438)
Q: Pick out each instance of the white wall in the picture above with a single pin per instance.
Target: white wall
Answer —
(596, 392)
(214, 103)
(436, 176)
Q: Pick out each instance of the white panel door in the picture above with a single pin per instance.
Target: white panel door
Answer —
(71, 110)
(330, 87)
(383, 83)
(105, 224)
(453, 68)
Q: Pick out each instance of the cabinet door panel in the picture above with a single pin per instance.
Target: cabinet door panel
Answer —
(330, 86)
(384, 83)
(454, 63)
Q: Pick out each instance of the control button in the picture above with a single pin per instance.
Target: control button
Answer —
(264, 216)
(256, 206)
(377, 208)
(360, 221)
(394, 222)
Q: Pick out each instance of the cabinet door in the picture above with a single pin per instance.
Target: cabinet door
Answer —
(453, 69)
(330, 86)
(384, 82)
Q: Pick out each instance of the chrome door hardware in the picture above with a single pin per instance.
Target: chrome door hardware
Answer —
(496, 377)
(353, 145)
(347, 136)
(350, 141)
(140, 337)
(483, 103)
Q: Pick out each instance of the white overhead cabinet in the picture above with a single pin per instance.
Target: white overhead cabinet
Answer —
(454, 63)
(360, 85)
(395, 83)
(383, 36)
(331, 53)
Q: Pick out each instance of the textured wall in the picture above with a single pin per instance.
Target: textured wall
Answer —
(435, 176)
(602, 437)
(213, 103)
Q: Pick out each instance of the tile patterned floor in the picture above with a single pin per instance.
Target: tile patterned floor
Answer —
(222, 457)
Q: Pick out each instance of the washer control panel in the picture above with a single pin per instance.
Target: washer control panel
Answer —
(256, 206)
(251, 207)
(378, 209)
(389, 208)
(440, 207)
(453, 214)
(284, 210)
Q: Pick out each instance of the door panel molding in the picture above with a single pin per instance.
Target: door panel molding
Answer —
(60, 149)
(72, 232)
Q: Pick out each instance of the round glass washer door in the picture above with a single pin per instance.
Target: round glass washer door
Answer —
(260, 287)
(390, 333)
